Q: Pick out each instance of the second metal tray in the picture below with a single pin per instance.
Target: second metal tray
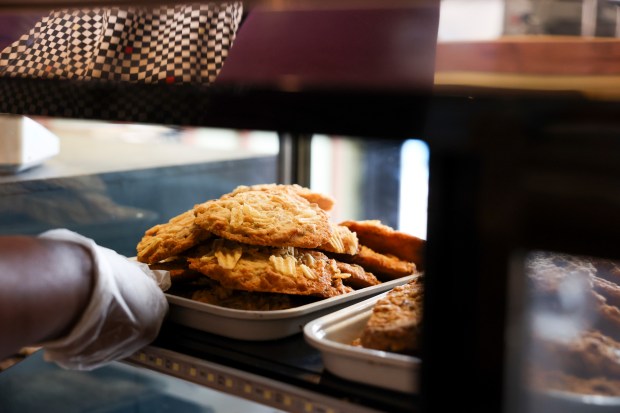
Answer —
(333, 334)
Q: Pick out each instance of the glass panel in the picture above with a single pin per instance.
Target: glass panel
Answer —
(569, 346)
(112, 181)
(373, 179)
(114, 388)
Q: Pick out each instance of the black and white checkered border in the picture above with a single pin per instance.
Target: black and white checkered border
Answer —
(179, 44)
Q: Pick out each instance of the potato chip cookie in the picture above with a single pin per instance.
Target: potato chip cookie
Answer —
(325, 202)
(264, 217)
(341, 241)
(167, 240)
(251, 268)
(386, 240)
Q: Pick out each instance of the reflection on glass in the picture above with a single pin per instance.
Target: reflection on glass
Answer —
(414, 188)
(561, 17)
(571, 355)
(113, 181)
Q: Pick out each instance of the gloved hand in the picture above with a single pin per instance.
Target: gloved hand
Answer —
(124, 314)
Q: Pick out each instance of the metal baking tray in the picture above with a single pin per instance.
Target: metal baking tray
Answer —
(333, 334)
(263, 325)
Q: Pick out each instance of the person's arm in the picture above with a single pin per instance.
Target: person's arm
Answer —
(45, 287)
(85, 304)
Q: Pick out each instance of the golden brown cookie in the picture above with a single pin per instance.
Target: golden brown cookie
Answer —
(386, 240)
(589, 354)
(336, 288)
(325, 202)
(178, 268)
(268, 218)
(170, 239)
(396, 320)
(383, 266)
(266, 269)
(358, 277)
(187, 288)
(243, 300)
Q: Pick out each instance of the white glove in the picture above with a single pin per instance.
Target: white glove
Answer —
(124, 314)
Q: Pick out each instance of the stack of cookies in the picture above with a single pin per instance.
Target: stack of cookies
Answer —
(268, 247)
(575, 320)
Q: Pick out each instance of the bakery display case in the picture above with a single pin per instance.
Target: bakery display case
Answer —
(502, 152)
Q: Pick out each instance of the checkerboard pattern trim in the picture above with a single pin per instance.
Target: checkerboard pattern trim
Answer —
(179, 44)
